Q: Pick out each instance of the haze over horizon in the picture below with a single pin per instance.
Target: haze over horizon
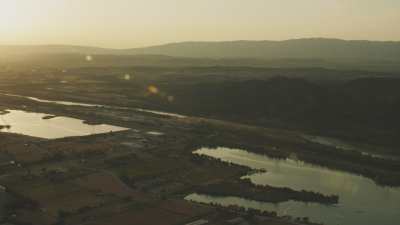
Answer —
(130, 24)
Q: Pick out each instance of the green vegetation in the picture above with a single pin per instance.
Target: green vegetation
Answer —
(246, 189)
(128, 177)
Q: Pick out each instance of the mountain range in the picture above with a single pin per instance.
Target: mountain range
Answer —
(313, 48)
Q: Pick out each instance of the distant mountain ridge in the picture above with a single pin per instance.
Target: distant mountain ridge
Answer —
(295, 48)
(312, 48)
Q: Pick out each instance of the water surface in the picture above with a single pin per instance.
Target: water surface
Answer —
(344, 146)
(161, 113)
(37, 125)
(55, 102)
(155, 133)
(361, 201)
(67, 103)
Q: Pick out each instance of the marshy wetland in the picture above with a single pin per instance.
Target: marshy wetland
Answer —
(212, 112)
(358, 196)
(121, 155)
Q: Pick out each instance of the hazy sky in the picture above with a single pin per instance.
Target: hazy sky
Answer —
(134, 23)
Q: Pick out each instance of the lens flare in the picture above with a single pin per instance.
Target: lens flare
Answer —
(153, 89)
(89, 58)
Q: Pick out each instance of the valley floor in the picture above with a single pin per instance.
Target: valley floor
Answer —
(142, 175)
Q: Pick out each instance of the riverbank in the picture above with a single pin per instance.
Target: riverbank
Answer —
(246, 189)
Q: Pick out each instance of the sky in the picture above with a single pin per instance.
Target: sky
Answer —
(138, 23)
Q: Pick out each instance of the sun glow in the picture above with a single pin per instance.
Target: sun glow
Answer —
(135, 23)
(8, 15)
(16, 16)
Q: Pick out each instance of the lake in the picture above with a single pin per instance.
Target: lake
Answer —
(47, 126)
(361, 201)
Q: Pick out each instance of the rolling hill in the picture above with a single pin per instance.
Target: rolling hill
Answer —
(315, 48)
(297, 53)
